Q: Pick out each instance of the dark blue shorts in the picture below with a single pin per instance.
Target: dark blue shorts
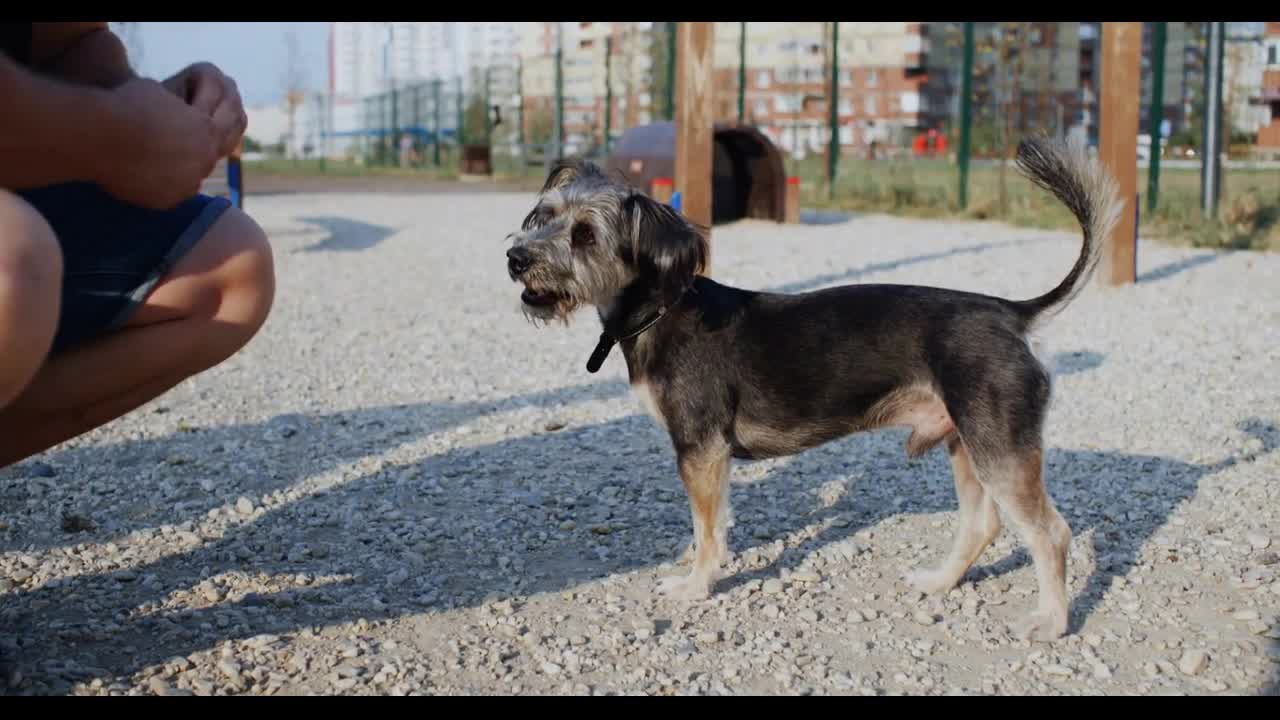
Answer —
(114, 253)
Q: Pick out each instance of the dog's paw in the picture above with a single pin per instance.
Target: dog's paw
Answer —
(1041, 627)
(685, 588)
(928, 582)
(686, 555)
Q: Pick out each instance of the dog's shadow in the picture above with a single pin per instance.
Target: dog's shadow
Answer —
(118, 622)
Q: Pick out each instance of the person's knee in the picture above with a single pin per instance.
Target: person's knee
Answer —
(28, 248)
(251, 280)
(30, 293)
(244, 283)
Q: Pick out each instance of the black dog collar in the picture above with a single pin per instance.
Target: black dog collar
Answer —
(607, 341)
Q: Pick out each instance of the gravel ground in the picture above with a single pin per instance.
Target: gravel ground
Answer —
(402, 487)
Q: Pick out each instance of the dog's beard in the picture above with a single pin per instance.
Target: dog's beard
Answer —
(562, 309)
(541, 304)
(549, 295)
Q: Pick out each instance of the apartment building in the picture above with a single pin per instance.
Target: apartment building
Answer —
(1269, 95)
(583, 77)
(786, 93)
(881, 81)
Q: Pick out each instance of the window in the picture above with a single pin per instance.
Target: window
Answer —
(846, 78)
(870, 104)
(846, 135)
(872, 78)
(1273, 54)
(762, 79)
(845, 107)
(762, 107)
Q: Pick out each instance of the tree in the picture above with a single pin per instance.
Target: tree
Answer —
(1012, 41)
(658, 56)
(293, 78)
(540, 124)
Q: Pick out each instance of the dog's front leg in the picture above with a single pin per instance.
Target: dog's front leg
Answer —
(706, 480)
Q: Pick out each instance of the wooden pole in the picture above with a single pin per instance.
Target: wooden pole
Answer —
(694, 119)
(1118, 142)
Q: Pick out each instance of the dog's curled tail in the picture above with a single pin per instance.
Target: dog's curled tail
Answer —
(1090, 193)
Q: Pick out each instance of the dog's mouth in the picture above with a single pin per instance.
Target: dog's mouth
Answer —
(540, 298)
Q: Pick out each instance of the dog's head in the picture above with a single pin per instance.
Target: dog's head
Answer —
(588, 238)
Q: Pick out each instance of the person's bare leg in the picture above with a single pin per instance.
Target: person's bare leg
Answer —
(30, 293)
(208, 307)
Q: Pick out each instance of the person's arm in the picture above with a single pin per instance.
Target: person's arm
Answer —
(84, 53)
(52, 131)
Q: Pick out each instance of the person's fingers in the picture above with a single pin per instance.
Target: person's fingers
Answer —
(209, 88)
(230, 118)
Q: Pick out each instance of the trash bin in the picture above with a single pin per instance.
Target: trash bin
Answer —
(477, 160)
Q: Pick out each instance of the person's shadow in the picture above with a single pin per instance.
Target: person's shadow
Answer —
(469, 523)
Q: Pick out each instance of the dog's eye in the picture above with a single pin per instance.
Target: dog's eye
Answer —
(582, 234)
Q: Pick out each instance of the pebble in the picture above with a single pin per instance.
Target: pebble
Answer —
(346, 670)
(244, 506)
(1259, 542)
(1193, 662)
(772, 586)
(41, 470)
(808, 615)
(805, 576)
(923, 617)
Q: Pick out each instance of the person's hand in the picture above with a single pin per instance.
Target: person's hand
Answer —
(172, 147)
(204, 87)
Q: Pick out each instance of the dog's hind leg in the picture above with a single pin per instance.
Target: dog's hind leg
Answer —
(706, 480)
(979, 525)
(1017, 484)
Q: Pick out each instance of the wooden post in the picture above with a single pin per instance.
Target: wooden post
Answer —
(694, 119)
(1118, 142)
(791, 210)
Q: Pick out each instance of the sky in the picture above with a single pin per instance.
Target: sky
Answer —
(253, 53)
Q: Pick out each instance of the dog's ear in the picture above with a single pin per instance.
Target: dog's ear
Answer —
(567, 170)
(664, 244)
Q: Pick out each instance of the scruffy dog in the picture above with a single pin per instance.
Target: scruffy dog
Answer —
(734, 373)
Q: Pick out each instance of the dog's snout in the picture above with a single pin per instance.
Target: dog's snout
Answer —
(518, 260)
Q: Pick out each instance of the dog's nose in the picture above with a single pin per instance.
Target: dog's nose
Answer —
(518, 260)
